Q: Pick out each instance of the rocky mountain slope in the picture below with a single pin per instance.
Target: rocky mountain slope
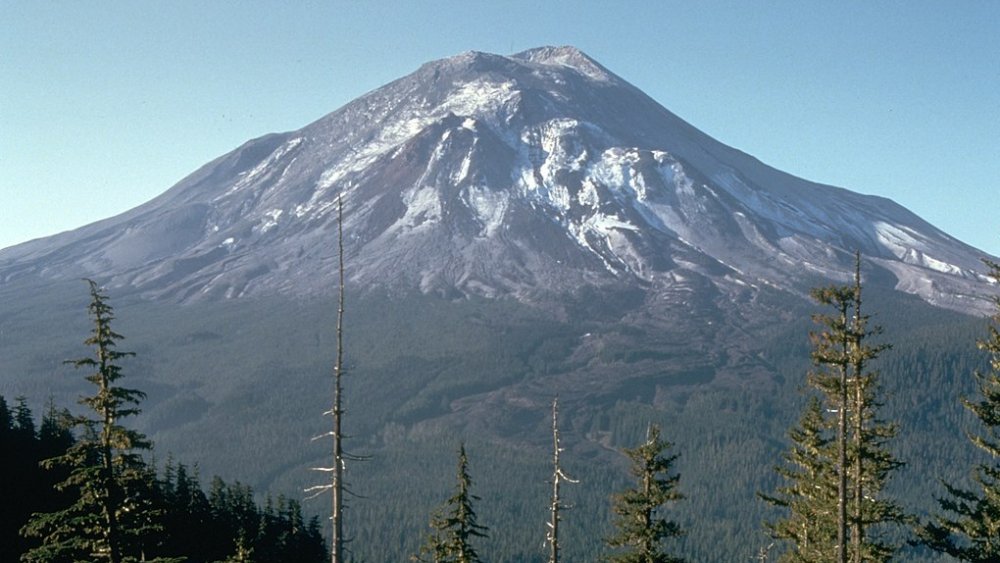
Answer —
(530, 175)
(517, 228)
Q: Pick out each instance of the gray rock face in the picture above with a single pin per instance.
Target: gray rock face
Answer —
(524, 176)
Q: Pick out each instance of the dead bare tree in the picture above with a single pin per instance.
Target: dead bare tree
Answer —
(555, 505)
(336, 485)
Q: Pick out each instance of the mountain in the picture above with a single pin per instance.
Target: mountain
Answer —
(516, 228)
(486, 175)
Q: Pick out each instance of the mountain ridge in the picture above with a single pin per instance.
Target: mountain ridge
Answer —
(515, 230)
(499, 175)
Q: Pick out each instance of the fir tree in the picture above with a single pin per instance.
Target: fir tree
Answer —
(831, 355)
(187, 515)
(641, 525)
(6, 418)
(21, 451)
(454, 526)
(24, 422)
(870, 512)
(54, 434)
(810, 491)
(111, 515)
(839, 463)
(969, 529)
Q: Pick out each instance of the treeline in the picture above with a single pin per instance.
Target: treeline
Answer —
(25, 488)
(99, 499)
(222, 523)
(80, 488)
(832, 497)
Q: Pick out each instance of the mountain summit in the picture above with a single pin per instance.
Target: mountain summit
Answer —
(528, 175)
(517, 228)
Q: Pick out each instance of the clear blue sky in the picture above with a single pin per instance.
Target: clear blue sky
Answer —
(104, 105)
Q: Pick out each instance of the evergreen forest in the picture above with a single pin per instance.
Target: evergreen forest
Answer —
(866, 470)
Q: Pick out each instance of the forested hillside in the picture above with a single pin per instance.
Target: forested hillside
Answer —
(203, 525)
(728, 437)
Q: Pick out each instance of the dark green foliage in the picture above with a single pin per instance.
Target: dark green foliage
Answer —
(641, 523)
(203, 529)
(24, 487)
(6, 419)
(228, 525)
(121, 512)
(969, 529)
(809, 493)
(202, 367)
(24, 425)
(833, 499)
(455, 526)
(111, 517)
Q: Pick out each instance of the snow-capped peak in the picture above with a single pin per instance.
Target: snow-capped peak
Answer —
(484, 174)
(567, 56)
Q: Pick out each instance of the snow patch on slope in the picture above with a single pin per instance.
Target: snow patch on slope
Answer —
(489, 207)
(423, 209)
(898, 240)
(270, 220)
(908, 246)
(263, 169)
(569, 57)
(480, 98)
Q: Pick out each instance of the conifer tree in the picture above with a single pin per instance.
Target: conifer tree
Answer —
(24, 422)
(840, 463)
(871, 461)
(454, 526)
(810, 491)
(969, 529)
(830, 353)
(24, 488)
(20, 480)
(6, 418)
(111, 515)
(242, 553)
(641, 525)
(54, 434)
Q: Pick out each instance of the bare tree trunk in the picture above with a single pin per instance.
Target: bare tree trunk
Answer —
(557, 478)
(857, 364)
(554, 506)
(842, 450)
(337, 547)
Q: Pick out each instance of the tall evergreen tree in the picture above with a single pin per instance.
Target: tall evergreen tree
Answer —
(839, 463)
(454, 526)
(6, 418)
(24, 421)
(110, 518)
(871, 461)
(969, 529)
(641, 525)
(830, 353)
